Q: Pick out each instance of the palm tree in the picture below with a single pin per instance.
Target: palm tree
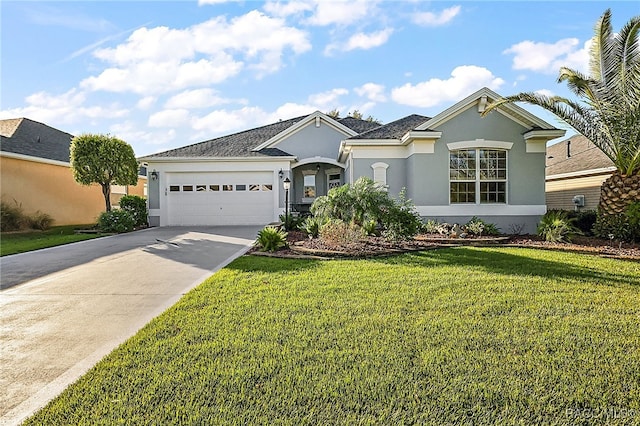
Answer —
(608, 110)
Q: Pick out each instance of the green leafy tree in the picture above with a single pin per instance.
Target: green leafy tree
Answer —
(607, 111)
(104, 160)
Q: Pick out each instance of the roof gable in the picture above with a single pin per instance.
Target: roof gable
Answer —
(27, 137)
(312, 119)
(480, 99)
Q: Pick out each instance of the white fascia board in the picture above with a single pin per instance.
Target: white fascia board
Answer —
(312, 160)
(546, 134)
(482, 209)
(310, 119)
(217, 159)
(582, 173)
(373, 142)
(34, 159)
(416, 134)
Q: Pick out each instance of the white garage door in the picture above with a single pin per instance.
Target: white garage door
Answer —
(220, 198)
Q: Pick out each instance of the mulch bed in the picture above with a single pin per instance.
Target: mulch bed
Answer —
(300, 246)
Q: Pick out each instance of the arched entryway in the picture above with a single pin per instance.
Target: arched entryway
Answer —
(312, 178)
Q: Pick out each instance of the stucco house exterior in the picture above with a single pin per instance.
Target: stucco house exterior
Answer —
(574, 174)
(453, 166)
(35, 173)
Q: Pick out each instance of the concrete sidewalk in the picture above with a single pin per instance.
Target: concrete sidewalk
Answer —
(65, 308)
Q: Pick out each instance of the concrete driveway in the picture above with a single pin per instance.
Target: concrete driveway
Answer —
(63, 309)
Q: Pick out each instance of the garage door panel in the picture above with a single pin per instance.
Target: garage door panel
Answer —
(220, 198)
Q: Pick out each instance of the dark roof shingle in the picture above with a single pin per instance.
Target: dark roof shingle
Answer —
(394, 130)
(241, 144)
(583, 156)
(28, 137)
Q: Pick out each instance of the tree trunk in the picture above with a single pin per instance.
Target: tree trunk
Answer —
(617, 192)
(106, 191)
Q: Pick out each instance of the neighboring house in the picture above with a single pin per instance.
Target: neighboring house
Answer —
(35, 173)
(453, 166)
(575, 172)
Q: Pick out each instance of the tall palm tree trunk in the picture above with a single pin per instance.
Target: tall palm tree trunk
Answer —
(617, 192)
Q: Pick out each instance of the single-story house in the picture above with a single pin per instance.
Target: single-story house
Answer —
(574, 174)
(36, 174)
(453, 166)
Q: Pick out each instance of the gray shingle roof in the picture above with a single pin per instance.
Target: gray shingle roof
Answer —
(584, 156)
(28, 137)
(395, 129)
(242, 144)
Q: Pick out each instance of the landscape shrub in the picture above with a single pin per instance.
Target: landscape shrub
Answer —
(368, 204)
(432, 226)
(478, 227)
(291, 222)
(137, 208)
(118, 221)
(338, 232)
(12, 217)
(312, 225)
(39, 220)
(556, 226)
(583, 220)
(622, 227)
(271, 239)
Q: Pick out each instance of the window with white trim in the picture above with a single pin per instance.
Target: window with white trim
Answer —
(380, 173)
(309, 186)
(478, 176)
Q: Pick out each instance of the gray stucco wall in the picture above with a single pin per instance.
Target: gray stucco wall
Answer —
(428, 174)
(312, 141)
(396, 172)
(153, 199)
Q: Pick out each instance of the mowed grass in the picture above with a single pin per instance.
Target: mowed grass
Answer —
(21, 242)
(453, 336)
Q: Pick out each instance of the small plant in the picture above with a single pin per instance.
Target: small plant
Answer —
(271, 239)
(516, 228)
(137, 207)
(312, 225)
(555, 226)
(12, 218)
(118, 221)
(432, 226)
(41, 221)
(370, 227)
(475, 226)
(291, 222)
(341, 233)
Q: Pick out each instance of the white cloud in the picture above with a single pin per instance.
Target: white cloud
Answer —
(169, 118)
(223, 121)
(549, 57)
(430, 19)
(130, 132)
(161, 59)
(368, 41)
(372, 91)
(341, 12)
(197, 98)
(287, 8)
(326, 99)
(464, 80)
(146, 102)
(545, 92)
(67, 108)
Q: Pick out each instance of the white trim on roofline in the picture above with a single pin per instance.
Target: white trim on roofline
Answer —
(510, 110)
(582, 173)
(311, 118)
(482, 209)
(34, 159)
(216, 159)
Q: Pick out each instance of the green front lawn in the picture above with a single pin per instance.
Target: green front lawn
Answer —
(452, 336)
(20, 242)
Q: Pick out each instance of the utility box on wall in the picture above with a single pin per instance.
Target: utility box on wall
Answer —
(578, 200)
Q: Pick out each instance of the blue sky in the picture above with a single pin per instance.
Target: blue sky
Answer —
(162, 74)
